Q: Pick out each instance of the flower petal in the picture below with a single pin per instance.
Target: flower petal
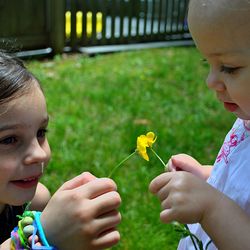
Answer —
(144, 155)
(143, 142)
(151, 138)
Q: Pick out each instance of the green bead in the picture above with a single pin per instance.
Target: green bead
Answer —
(27, 221)
(28, 230)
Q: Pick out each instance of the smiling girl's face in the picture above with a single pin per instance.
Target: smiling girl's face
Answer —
(23, 146)
(222, 34)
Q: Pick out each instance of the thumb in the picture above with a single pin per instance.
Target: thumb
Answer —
(77, 181)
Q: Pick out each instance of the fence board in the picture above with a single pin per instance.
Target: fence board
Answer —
(30, 25)
(79, 23)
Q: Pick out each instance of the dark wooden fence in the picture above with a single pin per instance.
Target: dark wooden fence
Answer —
(112, 22)
(76, 24)
(32, 25)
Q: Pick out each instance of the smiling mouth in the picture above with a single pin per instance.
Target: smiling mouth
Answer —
(27, 182)
(230, 106)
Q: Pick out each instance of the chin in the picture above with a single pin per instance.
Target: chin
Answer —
(243, 116)
(22, 199)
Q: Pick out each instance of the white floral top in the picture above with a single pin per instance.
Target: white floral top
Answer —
(230, 175)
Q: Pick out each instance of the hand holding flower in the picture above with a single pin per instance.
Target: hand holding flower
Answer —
(179, 192)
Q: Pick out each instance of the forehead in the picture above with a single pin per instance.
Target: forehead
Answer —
(220, 23)
(220, 11)
(28, 105)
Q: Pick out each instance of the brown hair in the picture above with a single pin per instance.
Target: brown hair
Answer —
(15, 79)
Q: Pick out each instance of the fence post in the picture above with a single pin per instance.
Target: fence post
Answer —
(57, 29)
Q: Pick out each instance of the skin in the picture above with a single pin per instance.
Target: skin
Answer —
(41, 198)
(23, 148)
(89, 217)
(90, 213)
(183, 193)
(224, 43)
(184, 162)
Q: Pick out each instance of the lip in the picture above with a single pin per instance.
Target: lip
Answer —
(232, 107)
(28, 182)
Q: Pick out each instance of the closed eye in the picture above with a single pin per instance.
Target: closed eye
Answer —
(228, 70)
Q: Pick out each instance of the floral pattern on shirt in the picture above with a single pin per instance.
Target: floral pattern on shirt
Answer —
(237, 135)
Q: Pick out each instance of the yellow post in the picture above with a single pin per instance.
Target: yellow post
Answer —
(78, 24)
(98, 22)
(89, 23)
(67, 24)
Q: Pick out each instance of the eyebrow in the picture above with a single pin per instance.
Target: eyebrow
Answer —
(19, 126)
(226, 53)
(216, 54)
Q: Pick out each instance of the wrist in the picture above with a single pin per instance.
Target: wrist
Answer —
(211, 208)
(53, 236)
(29, 233)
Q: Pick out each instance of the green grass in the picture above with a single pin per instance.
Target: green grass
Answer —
(99, 105)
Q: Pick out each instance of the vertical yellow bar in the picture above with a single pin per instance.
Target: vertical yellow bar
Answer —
(78, 24)
(98, 22)
(89, 23)
(67, 24)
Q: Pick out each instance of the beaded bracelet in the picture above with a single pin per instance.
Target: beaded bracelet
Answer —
(29, 233)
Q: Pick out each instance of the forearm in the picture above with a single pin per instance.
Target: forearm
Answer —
(5, 245)
(227, 225)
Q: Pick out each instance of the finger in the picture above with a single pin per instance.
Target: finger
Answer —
(183, 162)
(166, 203)
(178, 164)
(78, 181)
(163, 193)
(97, 187)
(170, 167)
(106, 202)
(167, 216)
(107, 221)
(107, 239)
(157, 183)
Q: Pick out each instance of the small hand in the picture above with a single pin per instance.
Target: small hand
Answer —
(83, 214)
(184, 162)
(184, 197)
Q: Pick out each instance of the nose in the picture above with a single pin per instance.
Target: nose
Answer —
(214, 82)
(36, 153)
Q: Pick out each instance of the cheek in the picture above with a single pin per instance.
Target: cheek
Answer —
(240, 92)
(8, 169)
(238, 89)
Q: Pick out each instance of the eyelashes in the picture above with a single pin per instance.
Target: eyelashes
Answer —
(228, 70)
(14, 139)
(8, 140)
(42, 133)
(223, 68)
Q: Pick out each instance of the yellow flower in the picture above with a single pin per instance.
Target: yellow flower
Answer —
(143, 142)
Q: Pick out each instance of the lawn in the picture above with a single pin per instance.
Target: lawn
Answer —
(99, 105)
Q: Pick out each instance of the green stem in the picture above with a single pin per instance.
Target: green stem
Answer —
(208, 244)
(119, 164)
(163, 163)
(191, 236)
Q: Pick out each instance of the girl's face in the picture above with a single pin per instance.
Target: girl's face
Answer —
(23, 146)
(223, 37)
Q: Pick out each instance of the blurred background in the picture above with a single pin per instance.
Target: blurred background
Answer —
(92, 26)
